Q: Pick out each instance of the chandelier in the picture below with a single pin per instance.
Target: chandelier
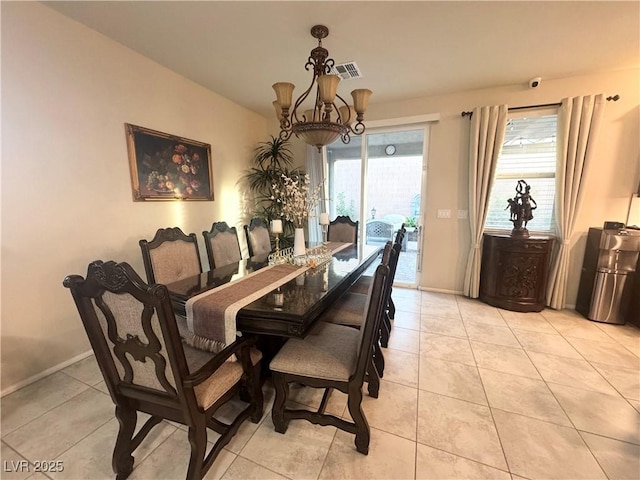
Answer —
(322, 122)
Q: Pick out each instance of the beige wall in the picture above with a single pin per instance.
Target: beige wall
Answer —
(67, 92)
(610, 183)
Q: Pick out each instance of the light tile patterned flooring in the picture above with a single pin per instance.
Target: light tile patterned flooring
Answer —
(470, 392)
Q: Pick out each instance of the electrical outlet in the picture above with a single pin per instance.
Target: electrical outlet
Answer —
(444, 213)
(462, 214)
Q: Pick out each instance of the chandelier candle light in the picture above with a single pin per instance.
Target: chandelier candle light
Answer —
(322, 122)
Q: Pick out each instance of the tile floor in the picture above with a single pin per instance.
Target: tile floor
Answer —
(470, 392)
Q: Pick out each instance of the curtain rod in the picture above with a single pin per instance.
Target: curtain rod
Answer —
(614, 98)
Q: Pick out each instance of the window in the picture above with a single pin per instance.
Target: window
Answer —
(529, 154)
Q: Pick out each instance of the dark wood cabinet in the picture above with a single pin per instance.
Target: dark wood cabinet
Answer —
(514, 271)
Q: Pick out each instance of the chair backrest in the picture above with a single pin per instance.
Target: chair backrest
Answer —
(343, 229)
(393, 265)
(258, 240)
(222, 245)
(170, 256)
(133, 332)
(373, 311)
(400, 234)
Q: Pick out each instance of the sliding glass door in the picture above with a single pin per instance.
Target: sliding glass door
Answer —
(378, 180)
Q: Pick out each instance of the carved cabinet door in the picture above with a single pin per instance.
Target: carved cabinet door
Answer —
(514, 272)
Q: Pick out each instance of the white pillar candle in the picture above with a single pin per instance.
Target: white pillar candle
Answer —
(324, 219)
(276, 226)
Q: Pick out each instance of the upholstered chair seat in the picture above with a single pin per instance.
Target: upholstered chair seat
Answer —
(222, 380)
(362, 285)
(347, 310)
(329, 352)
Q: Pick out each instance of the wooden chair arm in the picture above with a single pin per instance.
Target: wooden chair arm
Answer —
(203, 373)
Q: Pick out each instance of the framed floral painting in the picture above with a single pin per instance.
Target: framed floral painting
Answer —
(166, 167)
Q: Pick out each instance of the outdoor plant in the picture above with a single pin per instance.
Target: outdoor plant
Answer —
(410, 222)
(342, 208)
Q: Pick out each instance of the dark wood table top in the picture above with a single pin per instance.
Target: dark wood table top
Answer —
(291, 309)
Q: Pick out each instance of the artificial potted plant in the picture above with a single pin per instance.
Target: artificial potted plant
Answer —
(272, 162)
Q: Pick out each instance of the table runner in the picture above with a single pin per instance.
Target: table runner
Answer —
(211, 316)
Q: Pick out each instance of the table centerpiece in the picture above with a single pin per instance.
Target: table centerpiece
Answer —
(296, 199)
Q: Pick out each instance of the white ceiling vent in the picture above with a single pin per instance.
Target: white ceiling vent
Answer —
(346, 70)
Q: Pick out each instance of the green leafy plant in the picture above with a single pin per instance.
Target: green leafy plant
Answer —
(272, 162)
(342, 208)
(410, 222)
(272, 159)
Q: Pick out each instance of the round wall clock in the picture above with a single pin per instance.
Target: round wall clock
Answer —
(390, 150)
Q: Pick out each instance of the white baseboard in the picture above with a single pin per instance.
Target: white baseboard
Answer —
(45, 373)
(426, 289)
(440, 290)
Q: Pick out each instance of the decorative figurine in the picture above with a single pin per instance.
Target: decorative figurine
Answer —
(521, 209)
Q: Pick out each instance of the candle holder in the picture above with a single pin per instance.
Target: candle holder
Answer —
(324, 223)
(276, 229)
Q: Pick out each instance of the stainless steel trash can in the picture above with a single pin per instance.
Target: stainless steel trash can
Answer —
(609, 297)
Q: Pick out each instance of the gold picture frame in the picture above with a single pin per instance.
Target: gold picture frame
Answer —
(168, 167)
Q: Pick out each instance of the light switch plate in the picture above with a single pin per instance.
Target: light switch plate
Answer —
(444, 213)
(462, 214)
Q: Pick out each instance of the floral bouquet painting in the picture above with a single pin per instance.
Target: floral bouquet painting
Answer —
(166, 167)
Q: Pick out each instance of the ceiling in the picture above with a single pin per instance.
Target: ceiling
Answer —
(404, 50)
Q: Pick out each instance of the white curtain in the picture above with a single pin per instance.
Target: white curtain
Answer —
(315, 169)
(488, 126)
(579, 120)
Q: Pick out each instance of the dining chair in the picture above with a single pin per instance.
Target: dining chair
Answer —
(170, 256)
(132, 329)
(363, 283)
(348, 311)
(258, 239)
(223, 247)
(330, 357)
(343, 229)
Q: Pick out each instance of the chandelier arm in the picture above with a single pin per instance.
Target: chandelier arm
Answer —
(328, 65)
(302, 98)
(285, 135)
(285, 123)
(339, 118)
(358, 128)
(345, 138)
(342, 100)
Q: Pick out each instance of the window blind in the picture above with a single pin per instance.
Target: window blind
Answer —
(528, 153)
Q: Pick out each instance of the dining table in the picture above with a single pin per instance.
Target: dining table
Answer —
(289, 309)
